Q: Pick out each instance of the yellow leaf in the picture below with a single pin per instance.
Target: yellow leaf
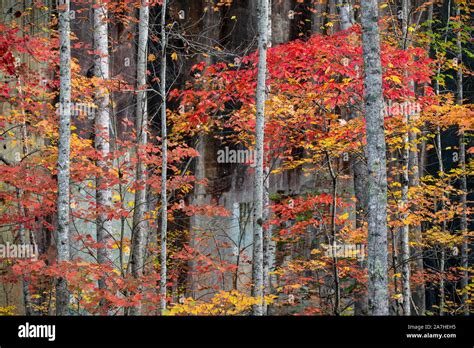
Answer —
(174, 56)
(151, 57)
(344, 216)
(395, 79)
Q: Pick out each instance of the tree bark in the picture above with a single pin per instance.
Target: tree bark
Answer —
(439, 152)
(377, 208)
(317, 20)
(139, 224)
(463, 185)
(346, 14)
(257, 269)
(404, 231)
(164, 165)
(269, 247)
(102, 135)
(359, 168)
(64, 145)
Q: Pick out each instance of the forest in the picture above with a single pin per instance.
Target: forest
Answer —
(236, 157)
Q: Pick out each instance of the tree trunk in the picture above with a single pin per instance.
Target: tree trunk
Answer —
(139, 224)
(439, 152)
(462, 163)
(377, 208)
(405, 229)
(359, 168)
(418, 292)
(257, 269)
(280, 24)
(317, 20)
(102, 135)
(332, 241)
(404, 233)
(346, 14)
(64, 148)
(164, 166)
(269, 246)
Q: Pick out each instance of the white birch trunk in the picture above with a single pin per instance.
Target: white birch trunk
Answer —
(64, 144)
(268, 244)
(102, 133)
(257, 261)
(164, 166)
(139, 224)
(405, 241)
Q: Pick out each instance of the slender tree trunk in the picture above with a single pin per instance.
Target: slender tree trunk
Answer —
(418, 292)
(377, 209)
(405, 22)
(22, 211)
(404, 240)
(257, 269)
(346, 15)
(64, 146)
(102, 135)
(423, 152)
(359, 168)
(139, 224)
(462, 163)
(439, 152)
(268, 244)
(333, 240)
(164, 166)
(405, 229)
